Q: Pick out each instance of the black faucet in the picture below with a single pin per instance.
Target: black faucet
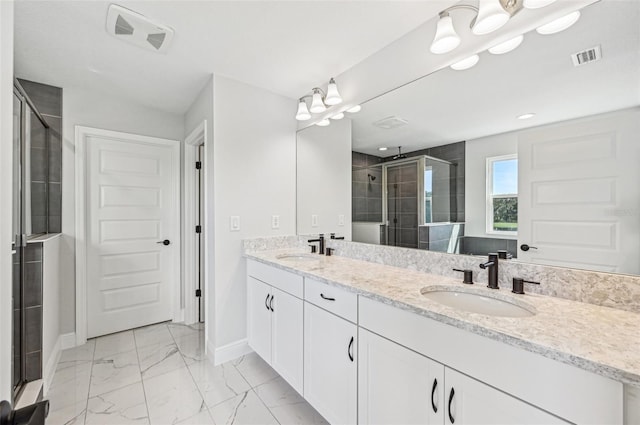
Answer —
(333, 236)
(320, 241)
(492, 265)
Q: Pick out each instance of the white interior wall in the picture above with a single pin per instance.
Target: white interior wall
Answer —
(324, 180)
(6, 158)
(254, 137)
(200, 110)
(475, 203)
(92, 109)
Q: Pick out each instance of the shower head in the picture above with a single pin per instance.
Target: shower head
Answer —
(400, 154)
(371, 178)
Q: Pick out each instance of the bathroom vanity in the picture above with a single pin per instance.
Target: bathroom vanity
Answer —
(362, 344)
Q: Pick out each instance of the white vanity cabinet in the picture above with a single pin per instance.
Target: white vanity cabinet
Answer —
(275, 320)
(330, 353)
(397, 385)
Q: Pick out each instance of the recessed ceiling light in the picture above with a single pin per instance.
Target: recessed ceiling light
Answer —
(526, 116)
(382, 149)
(507, 46)
(354, 109)
(466, 63)
(559, 24)
(325, 122)
(337, 116)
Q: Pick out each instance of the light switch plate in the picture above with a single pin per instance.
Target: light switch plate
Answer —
(314, 220)
(340, 219)
(275, 221)
(234, 223)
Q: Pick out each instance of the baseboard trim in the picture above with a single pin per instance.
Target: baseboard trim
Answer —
(231, 351)
(67, 340)
(52, 364)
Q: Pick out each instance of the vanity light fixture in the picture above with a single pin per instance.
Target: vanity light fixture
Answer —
(382, 149)
(526, 116)
(536, 4)
(466, 63)
(323, 123)
(490, 16)
(354, 109)
(559, 24)
(337, 116)
(506, 46)
(319, 101)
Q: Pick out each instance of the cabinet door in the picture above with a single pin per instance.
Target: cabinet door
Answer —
(330, 365)
(397, 385)
(259, 317)
(471, 402)
(286, 337)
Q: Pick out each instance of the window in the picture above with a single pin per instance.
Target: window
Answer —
(428, 193)
(502, 194)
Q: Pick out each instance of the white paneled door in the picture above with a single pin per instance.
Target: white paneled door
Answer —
(578, 198)
(132, 230)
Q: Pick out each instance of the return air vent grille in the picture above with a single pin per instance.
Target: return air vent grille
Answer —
(134, 28)
(587, 56)
(390, 123)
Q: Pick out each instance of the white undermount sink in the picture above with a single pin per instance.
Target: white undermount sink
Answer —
(476, 300)
(298, 256)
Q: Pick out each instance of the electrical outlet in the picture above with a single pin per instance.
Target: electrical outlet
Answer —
(340, 219)
(275, 221)
(314, 220)
(234, 223)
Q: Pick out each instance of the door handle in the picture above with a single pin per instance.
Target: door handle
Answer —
(349, 349)
(526, 247)
(165, 242)
(451, 394)
(433, 393)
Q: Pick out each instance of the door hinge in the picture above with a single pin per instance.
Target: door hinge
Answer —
(198, 229)
(198, 165)
(198, 292)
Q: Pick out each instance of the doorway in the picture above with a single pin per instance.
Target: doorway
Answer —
(127, 229)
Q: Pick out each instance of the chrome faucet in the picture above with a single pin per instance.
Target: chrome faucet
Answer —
(492, 266)
(320, 241)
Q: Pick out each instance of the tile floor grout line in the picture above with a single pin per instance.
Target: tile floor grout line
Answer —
(144, 391)
(86, 407)
(265, 404)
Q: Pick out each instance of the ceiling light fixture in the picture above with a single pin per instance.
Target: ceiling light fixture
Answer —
(490, 16)
(354, 109)
(337, 116)
(382, 149)
(466, 63)
(526, 116)
(537, 4)
(506, 46)
(559, 24)
(319, 101)
(323, 123)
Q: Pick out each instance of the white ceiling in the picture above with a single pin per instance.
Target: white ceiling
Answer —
(450, 106)
(287, 47)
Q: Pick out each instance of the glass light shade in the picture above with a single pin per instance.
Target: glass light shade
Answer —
(382, 149)
(317, 105)
(559, 24)
(338, 116)
(446, 38)
(354, 109)
(507, 46)
(466, 63)
(325, 122)
(537, 4)
(491, 16)
(303, 113)
(526, 116)
(333, 97)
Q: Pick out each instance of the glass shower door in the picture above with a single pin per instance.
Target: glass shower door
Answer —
(18, 348)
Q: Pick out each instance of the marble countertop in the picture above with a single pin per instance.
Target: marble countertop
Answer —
(599, 339)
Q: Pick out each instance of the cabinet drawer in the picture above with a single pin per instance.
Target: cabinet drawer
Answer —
(285, 281)
(330, 298)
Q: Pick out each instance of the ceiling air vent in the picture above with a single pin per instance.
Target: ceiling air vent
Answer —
(390, 123)
(587, 56)
(134, 28)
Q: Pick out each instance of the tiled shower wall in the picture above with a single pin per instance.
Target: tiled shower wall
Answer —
(366, 192)
(402, 205)
(48, 101)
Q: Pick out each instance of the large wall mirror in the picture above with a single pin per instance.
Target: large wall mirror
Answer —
(474, 175)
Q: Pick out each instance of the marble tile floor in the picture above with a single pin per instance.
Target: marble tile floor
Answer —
(159, 375)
